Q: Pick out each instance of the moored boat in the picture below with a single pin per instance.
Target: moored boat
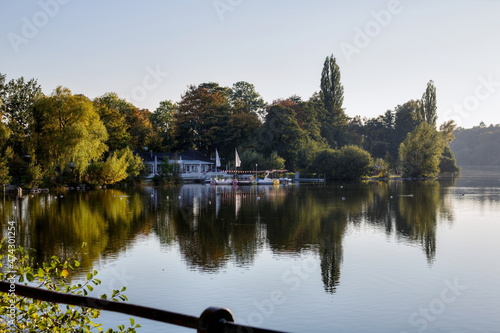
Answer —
(267, 180)
(227, 181)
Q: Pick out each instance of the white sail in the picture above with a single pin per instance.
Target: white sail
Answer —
(217, 159)
(237, 159)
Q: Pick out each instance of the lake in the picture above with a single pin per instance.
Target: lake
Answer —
(342, 257)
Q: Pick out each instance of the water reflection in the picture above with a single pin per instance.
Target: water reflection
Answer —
(217, 226)
(60, 224)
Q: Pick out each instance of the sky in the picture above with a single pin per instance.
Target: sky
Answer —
(150, 51)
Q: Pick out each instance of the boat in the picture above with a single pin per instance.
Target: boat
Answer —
(267, 180)
(227, 181)
(285, 180)
(247, 180)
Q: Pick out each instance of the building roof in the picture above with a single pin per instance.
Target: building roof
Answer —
(188, 155)
(192, 155)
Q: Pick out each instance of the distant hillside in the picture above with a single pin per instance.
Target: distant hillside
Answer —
(477, 146)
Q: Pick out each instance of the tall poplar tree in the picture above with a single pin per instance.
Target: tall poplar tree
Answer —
(428, 111)
(333, 118)
(331, 88)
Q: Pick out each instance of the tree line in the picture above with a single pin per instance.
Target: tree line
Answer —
(474, 146)
(66, 138)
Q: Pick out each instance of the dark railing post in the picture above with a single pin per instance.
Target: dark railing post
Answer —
(212, 320)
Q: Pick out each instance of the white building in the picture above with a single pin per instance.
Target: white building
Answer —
(192, 164)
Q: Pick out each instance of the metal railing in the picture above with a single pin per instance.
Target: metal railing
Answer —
(212, 320)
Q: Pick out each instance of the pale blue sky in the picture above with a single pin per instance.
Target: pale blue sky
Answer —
(150, 51)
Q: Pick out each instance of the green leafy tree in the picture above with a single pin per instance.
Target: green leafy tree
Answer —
(379, 134)
(142, 131)
(354, 163)
(244, 98)
(420, 152)
(331, 88)
(448, 162)
(250, 159)
(69, 133)
(406, 120)
(139, 130)
(382, 168)
(110, 171)
(201, 123)
(34, 175)
(428, 110)
(5, 177)
(110, 109)
(309, 115)
(16, 108)
(282, 133)
(333, 118)
(135, 164)
(448, 129)
(40, 316)
(167, 173)
(307, 152)
(306, 114)
(242, 129)
(18, 98)
(119, 165)
(355, 131)
(163, 121)
(348, 163)
(275, 162)
(326, 163)
(166, 169)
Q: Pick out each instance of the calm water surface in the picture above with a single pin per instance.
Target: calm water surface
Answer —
(345, 257)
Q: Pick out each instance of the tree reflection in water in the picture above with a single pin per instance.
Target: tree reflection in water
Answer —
(217, 226)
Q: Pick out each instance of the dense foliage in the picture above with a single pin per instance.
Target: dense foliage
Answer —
(420, 152)
(349, 162)
(66, 138)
